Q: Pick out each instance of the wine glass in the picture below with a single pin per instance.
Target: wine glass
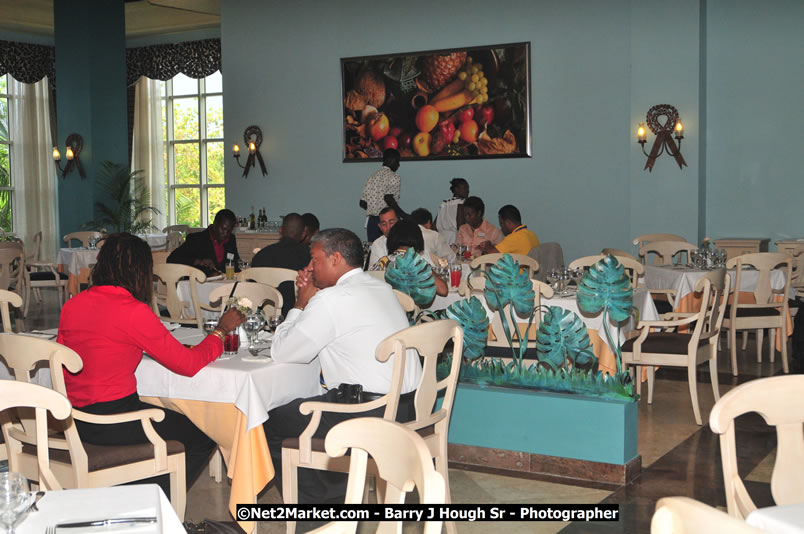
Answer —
(14, 499)
(252, 327)
(209, 326)
(275, 321)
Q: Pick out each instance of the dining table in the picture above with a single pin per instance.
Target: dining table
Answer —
(228, 400)
(93, 504)
(785, 519)
(682, 280)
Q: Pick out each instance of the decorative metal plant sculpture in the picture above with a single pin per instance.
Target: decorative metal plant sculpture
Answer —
(606, 287)
(472, 317)
(412, 275)
(563, 339)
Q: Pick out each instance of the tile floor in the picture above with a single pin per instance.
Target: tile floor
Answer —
(678, 458)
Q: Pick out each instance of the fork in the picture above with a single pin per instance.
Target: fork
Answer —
(50, 530)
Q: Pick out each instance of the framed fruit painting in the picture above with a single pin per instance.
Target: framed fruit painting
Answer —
(442, 104)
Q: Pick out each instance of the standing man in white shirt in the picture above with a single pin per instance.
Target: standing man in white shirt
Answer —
(341, 315)
(382, 189)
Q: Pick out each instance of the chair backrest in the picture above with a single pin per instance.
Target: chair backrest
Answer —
(6, 298)
(270, 276)
(429, 339)
(632, 267)
(42, 400)
(171, 274)
(499, 339)
(195, 229)
(715, 307)
(406, 301)
(83, 237)
(257, 293)
(173, 240)
(682, 515)
(35, 251)
(647, 238)
(773, 399)
(550, 256)
(23, 354)
(618, 252)
(12, 267)
(525, 262)
(402, 459)
(181, 228)
(664, 251)
(764, 262)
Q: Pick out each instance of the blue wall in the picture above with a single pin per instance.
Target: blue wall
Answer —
(755, 114)
(596, 69)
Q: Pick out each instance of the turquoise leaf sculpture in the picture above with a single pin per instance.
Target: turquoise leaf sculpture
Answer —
(606, 285)
(506, 283)
(472, 317)
(412, 275)
(563, 337)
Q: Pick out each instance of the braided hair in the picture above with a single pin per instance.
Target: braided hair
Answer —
(125, 261)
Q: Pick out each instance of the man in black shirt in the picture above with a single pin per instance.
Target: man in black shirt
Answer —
(208, 250)
(289, 253)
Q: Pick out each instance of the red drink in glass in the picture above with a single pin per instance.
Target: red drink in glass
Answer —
(231, 343)
(455, 277)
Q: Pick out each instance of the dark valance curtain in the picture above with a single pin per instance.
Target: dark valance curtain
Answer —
(195, 59)
(29, 63)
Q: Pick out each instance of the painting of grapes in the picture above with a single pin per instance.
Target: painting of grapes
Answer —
(444, 104)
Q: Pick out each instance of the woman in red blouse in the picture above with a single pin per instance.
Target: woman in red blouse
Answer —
(110, 325)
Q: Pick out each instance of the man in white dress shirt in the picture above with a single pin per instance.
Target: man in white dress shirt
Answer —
(341, 315)
(379, 247)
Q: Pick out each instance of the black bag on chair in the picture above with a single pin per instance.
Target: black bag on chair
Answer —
(213, 527)
(797, 355)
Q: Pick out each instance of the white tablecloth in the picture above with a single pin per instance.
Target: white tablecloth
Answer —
(157, 240)
(253, 387)
(788, 519)
(74, 259)
(683, 279)
(68, 506)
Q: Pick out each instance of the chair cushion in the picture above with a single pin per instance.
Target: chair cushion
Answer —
(107, 456)
(662, 343)
(753, 312)
(43, 276)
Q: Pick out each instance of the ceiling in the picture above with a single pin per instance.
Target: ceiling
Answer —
(143, 17)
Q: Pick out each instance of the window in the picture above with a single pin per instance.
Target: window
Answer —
(6, 182)
(192, 115)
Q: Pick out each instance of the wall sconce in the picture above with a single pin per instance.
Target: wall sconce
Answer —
(664, 134)
(252, 138)
(74, 145)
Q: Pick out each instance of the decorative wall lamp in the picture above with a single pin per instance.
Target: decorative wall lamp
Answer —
(74, 145)
(664, 131)
(252, 137)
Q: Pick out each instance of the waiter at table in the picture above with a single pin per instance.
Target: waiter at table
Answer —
(209, 250)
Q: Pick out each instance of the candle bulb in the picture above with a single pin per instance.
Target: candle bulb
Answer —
(236, 149)
(679, 130)
(70, 155)
(252, 147)
(56, 155)
(641, 135)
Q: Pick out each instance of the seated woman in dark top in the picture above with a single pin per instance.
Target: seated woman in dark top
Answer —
(110, 325)
(208, 250)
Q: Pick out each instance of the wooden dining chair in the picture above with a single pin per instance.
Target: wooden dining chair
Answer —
(487, 260)
(42, 400)
(634, 268)
(82, 465)
(258, 294)
(7, 298)
(181, 228)
(664, 252)
(12, 274)
(647, 238)
(401, 459)
(618, 252)
(549, 256)
(429, 340)
(776, 399)
(682, 515)
(770, 308)
(168, 276)
(39, 274)
(83, 237)
(656, 346)
(497, 336)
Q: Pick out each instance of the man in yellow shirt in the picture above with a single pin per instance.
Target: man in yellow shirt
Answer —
(518, 239)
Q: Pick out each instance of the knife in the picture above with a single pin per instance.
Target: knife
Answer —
(107, 522)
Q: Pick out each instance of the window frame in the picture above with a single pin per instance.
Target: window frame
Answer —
(203, 185)
(9, 143)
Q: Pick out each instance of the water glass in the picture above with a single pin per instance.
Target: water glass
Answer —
(209, 326)
(274, 322)
(252, 327)
(14, 499)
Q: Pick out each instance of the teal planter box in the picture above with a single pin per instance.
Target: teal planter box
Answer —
(561, 425)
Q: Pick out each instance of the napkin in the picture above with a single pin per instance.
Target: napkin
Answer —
(171, 326)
